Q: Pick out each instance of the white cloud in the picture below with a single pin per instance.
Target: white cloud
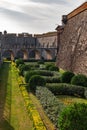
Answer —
(34, 16)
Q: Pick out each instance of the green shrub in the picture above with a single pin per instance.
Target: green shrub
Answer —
(41, 62)
(53, 68)
(42, 67)
(49, 65)
(79, 80)
(66, 77)
(50, 103)
(73, 117)
(36, 80)
(66, 89)
(37, 72)
(18, 62)
(23, 68)
(85, 94)
(28, 75)
(52, 79)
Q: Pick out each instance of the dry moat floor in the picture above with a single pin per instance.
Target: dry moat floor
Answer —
(13, 115)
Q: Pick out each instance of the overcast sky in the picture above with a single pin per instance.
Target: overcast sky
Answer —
(34, 16)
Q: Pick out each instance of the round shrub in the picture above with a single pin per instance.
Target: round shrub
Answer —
(53, 68)
(79, 80)
(73, 117)
(36, 80)
(18, 62)
(66, 77)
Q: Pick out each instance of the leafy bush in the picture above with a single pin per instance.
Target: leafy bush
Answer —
(18, 62)
(36, 80)
(41, 62)
(49, 65)
(38, 72)
(73, 117)
(42, 67)
(85, 94)
(52, 79)
(66, 77)
(28, 75)
(66, 89)
(79, 80)
(22, 68)
(53, 68)
(50, 103)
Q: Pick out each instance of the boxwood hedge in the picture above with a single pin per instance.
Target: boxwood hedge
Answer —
(66, 89)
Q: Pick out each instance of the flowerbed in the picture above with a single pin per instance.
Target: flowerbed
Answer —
(33, 113)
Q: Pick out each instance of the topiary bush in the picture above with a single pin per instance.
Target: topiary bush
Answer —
(49, 65)
(18, 62)
(73, 117)
(41, 62)
(22, 68)
(28, 75)
(53, 68)
(52, 79)
(36, 80)
(38, 72)
(66, 89)
(79, 79)
(66, 77)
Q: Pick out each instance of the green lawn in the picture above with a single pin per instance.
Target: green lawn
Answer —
(12, 110)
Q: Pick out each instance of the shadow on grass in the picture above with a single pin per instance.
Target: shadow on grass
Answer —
(5, 98)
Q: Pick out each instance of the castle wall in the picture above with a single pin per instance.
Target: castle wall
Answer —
(47, 40)
(72, 53)
(20, 45)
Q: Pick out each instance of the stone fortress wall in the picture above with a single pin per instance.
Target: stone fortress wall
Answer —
(72, 53)
(28, 46)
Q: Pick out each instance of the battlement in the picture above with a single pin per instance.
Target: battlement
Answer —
(78, 10)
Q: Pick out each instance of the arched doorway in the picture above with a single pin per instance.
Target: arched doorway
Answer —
(34, 54)
(22, 54)
(48, 54)
(8, 54)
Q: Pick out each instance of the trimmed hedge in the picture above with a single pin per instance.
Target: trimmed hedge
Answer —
(48, 65)
(53, 68)
(52, 79)
(36, 80)
(38, 72)
(50, 103)
(41, 62)
(23, 68)
(66, 77)
(18, 62)
(66, 89)
(79, 79)
(73, 117)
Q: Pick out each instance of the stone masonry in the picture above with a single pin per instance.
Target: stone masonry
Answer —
(28, 46)
(72, 53)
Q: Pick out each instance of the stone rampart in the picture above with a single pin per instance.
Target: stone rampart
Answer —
(72, 53)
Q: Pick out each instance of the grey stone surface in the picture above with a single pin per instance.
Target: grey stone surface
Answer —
(72, 53)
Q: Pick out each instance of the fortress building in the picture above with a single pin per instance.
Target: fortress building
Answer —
(27, 46)
(72, 41)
